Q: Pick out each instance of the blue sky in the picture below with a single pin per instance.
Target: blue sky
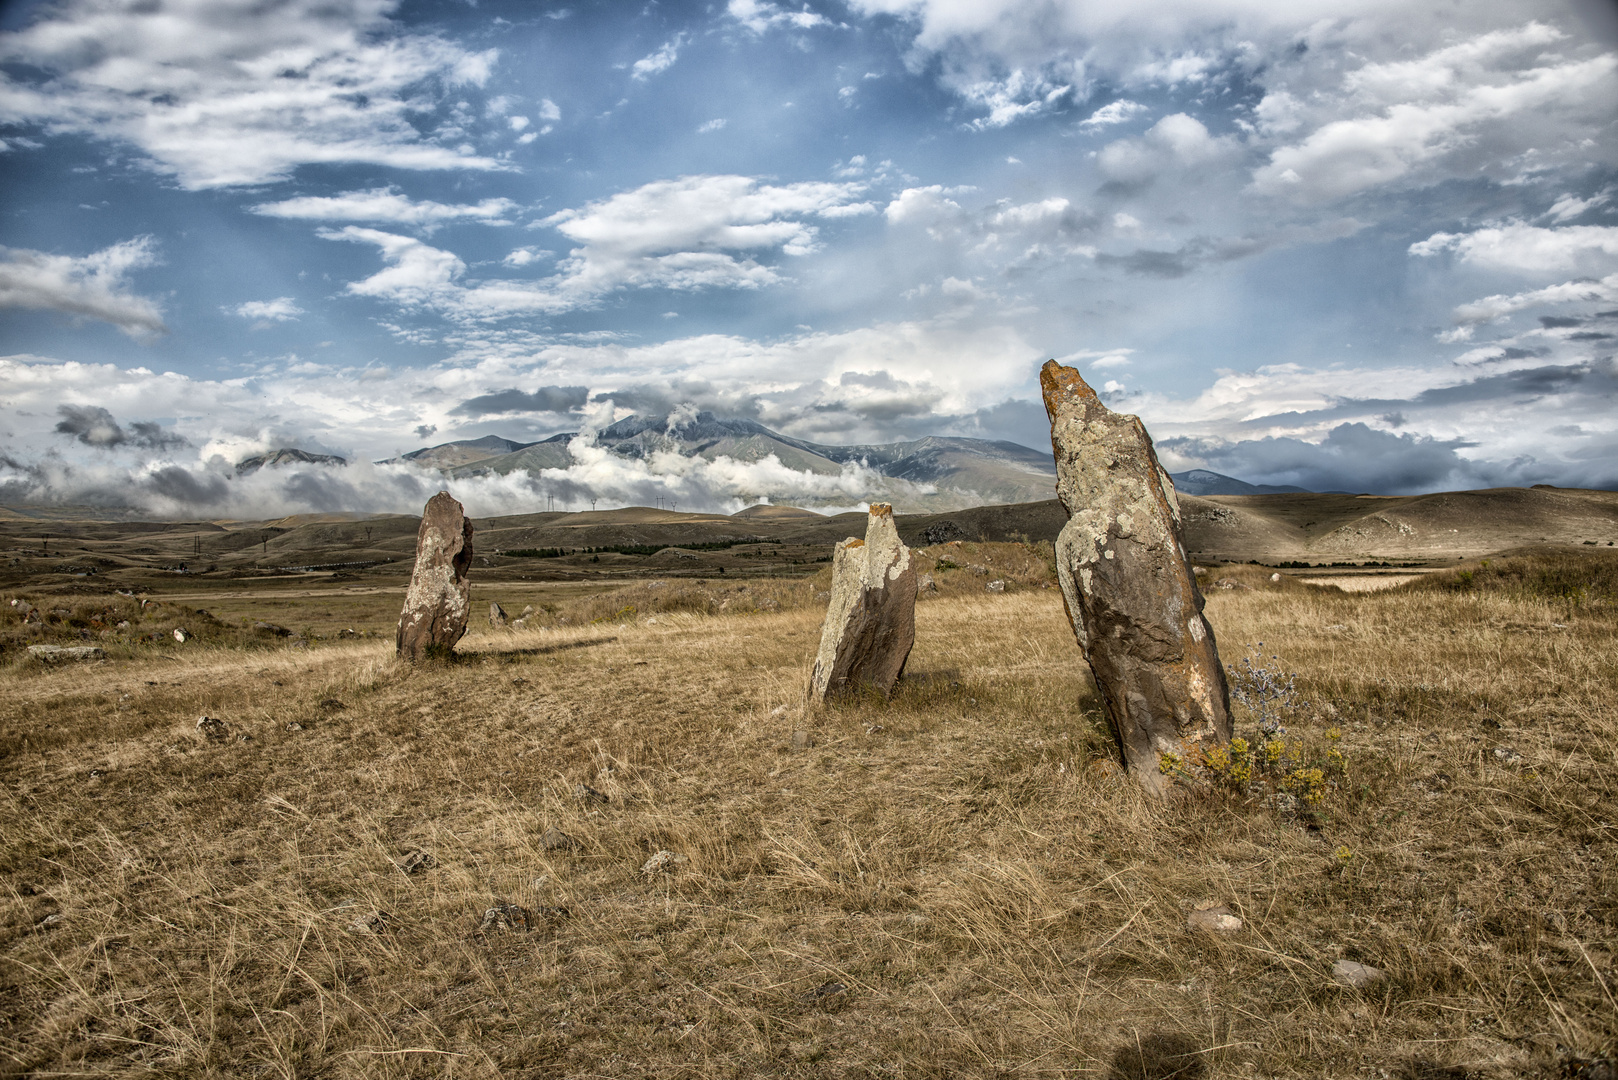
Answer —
(1369, 245)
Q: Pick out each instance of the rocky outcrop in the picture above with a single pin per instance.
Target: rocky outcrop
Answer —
(497, 615)
(1127, 584)
(440, 596)
(871, 621)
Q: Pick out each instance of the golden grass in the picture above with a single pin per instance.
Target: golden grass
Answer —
(953, 883)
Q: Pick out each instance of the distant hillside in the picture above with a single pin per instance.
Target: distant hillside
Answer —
(449, 455)
(1203, 482)
(285, 456)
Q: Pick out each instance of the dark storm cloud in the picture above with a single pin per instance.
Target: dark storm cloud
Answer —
(95, 426)
(182, 486)
(1559, 322)
(1352, 457)
(552, 399)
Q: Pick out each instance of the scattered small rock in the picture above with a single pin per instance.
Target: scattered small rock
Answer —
(925, 583)
(996, 586)
(519, 681)
(293, 725)
(376, 922)
(779, 710)
(1227, 583)
(662, 863)
(802, 740)
(273, 629)
(1507, 755)
(244, 738)
(588, 794)
(504, 916)
(1275, 579)
(212, 728)
(1215, 918)
(1355, 974)
(182, 635)
(528, 609)
(557, 840)
(415, 862)
(56, 918)
(65, 654)
(827, 993)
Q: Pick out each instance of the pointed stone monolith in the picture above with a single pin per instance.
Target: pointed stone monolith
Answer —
(871, 621)
(440, 596)
(1127, 584)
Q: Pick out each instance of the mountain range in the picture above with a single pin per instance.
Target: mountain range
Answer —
(931, 474)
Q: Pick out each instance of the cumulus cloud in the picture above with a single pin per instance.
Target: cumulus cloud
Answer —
(93, 287)
(281, 309)
(238, 92)
(1528, 249)
(388, 204)
(1174, 142)
(697, 232)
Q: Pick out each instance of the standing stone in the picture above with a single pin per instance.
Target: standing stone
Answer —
(1128, 585)
(440, 597)
(871, 621)
(497, 615)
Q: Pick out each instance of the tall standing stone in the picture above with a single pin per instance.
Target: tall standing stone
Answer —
(440, 597)
(1128, 585)
(871, 621)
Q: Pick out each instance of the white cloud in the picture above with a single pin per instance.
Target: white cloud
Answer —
(281, 309)
(235, 92)
(1493, 308)
(93, 287)
(922, 205)
(1528, 249)
(697, 232)
(759, 16)
(1177, 141)
(524, 255)
(1570, 206)
(549, 111)
(711, 125)
(390, 205)
(517, 123)
(1017, 96)
(1460, 108)
(416, 274)
(659, 61)
(1117, 112)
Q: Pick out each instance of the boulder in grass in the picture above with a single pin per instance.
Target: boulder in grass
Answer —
(1355, 974)
(497, 615)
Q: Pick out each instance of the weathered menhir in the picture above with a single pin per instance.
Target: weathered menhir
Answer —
(1128, 585)
(871, 621)
(440, 596)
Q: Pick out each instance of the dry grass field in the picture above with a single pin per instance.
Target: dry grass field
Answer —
(380, 871)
